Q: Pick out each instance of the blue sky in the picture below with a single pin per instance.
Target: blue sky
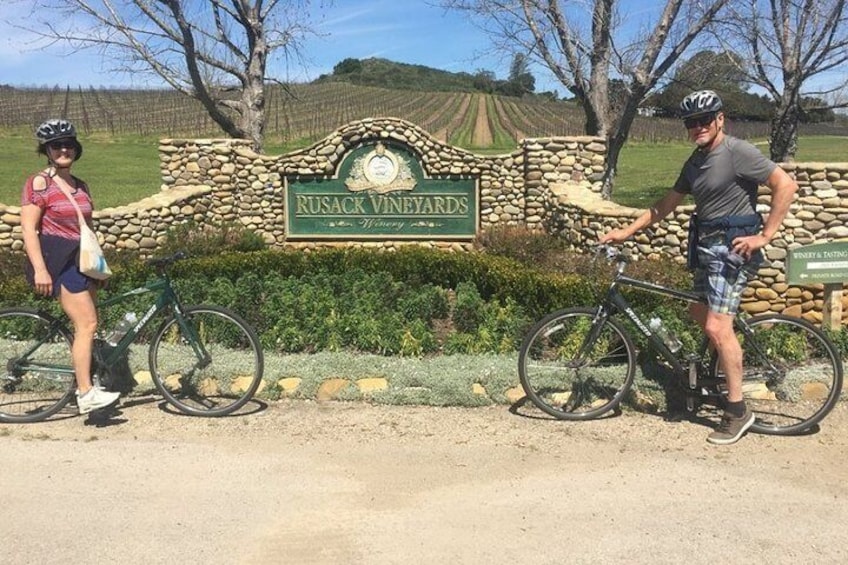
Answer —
(407, 31)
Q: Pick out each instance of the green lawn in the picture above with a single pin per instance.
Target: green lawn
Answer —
(118, 170)
(647, 170)
(122, 170)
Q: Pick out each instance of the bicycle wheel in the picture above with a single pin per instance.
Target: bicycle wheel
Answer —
(792, 374)
(571, 369)
(38, 378)
(217, 384)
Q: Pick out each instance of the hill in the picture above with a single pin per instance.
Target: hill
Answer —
(389, 74)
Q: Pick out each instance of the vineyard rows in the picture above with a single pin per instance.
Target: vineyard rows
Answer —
(304, 113)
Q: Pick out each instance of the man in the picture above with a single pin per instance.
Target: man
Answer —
(722, 175)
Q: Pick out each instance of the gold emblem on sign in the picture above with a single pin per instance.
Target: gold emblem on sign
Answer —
(380, 171)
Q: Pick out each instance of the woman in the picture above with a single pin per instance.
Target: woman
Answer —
(51, 233)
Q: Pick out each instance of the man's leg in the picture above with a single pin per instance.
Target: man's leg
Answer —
(719, 329)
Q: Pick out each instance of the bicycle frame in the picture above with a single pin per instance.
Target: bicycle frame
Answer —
(614, 300)
(166, 298)
(204, 359)
(578, 363)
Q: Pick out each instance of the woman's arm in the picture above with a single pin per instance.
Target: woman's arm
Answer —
(30, 221)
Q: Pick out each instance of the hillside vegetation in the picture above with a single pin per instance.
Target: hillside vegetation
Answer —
(401, 76)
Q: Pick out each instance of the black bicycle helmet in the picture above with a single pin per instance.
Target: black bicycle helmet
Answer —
(55, 129)
(700, 102)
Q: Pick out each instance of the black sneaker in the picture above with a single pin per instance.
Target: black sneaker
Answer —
(731, 428)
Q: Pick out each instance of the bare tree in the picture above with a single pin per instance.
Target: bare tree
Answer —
(586, 49)
(215, 51)
(786, 45)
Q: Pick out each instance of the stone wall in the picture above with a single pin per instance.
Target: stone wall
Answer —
(547, 184)
(223, 180)
(818, 214)
(514, 188)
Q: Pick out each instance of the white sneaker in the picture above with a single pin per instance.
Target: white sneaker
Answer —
(95, 399)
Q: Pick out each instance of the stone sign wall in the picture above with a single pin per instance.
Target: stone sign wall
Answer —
(547, 184)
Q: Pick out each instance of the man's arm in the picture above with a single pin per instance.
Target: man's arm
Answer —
(783, 189)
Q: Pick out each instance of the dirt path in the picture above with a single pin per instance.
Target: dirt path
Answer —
(303, 482)
(482, 136)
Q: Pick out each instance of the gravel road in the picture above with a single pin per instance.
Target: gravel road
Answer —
(307, 482)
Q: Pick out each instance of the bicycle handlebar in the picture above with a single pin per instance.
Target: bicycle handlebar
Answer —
(162, 262)
(611, 253)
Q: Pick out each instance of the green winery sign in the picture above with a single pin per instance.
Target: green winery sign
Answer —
(381, 192)
(819, 263)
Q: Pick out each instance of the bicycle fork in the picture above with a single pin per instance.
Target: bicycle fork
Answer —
(591, 336)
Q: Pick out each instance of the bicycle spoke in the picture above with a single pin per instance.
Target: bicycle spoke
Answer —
(573, 370)
(792, 374)
(216, 378)
(37, 379)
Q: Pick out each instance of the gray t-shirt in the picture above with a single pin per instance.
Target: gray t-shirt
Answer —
(724, 181)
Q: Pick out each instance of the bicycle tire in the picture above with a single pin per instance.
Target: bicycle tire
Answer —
(223, 385)
(31, 391)
(584, 390)
(792, 376)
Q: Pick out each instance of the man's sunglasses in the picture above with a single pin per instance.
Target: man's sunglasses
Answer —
(699, 122)
(57, 145)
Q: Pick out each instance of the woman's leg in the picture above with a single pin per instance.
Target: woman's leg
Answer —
(80, 308)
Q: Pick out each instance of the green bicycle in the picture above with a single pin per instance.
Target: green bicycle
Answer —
(205, 360)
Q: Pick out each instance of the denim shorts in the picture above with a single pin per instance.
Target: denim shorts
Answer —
(721, 282)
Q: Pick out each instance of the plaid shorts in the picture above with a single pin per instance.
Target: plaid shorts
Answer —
(721, 283)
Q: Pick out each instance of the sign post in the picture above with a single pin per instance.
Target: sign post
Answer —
(826, 264)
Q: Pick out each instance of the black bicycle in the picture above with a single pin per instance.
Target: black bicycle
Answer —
(580, 363)
(205, 360)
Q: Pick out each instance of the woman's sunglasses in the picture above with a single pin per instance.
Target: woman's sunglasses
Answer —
(699, 122)
(57, 145)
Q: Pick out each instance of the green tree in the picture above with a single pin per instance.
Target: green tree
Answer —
(521, 79)
(347, 66)
(718, 71)
(484, 81)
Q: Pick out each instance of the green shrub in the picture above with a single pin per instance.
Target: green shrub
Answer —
(839, 337)
(388, 303)
(210, 239)
(468, 310)
(529, 247)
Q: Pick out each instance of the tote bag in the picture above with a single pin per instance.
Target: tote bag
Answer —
(92, 262)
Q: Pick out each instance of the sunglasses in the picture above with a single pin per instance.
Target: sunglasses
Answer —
(57, 145)
(699, 122)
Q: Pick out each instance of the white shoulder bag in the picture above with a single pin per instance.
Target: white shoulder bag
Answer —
(92, 262)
